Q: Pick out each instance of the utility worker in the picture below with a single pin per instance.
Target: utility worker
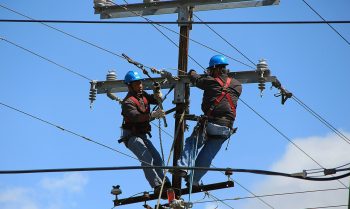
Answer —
(136, 126)
(219, 103)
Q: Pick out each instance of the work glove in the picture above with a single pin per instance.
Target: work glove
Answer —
(159, 113)
(158, 95)
(192, 72)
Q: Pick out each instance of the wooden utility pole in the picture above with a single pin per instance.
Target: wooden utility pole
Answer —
(182, 91)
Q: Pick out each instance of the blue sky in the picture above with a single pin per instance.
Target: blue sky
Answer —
(311, 61)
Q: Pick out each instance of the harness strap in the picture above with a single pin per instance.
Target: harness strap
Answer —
(142, 109)
(223, 94)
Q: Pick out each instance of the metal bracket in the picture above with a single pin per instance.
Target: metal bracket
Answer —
(172, 6)
(185, 15)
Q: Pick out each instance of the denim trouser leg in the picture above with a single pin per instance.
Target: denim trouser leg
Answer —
(148, 155)
(206, 156)
(206, 149)
(190, 144)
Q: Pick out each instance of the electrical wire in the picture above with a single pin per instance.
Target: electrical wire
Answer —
(167, 37)
(321, 119)
(246, 189)
(330, 206)
(275, 194)
(225, 40)
(219, 200)
(111, 52)
(236, 170)
(71, 132)
(65, 33)
(318, 14)
(285, 137)
(175, 22)
(47, 59)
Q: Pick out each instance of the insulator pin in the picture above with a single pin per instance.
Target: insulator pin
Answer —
(111, 75)
(93, 92)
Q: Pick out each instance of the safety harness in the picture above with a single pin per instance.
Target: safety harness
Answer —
(141, 108)
(224, 93)
(139, 127)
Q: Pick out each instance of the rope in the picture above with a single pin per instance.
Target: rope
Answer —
(171, 150)
(160, 140)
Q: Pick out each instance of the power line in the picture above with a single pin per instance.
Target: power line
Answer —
(277, 194)
(286, 137)
(47, 59)
(175, 22)
(236, 182)
(330, 206)
(218, 200)
(69, 131)
(151, 22)
(236, 170)
(225, 40)
(65, 33)
(321, 119)
(111, 52)
(326, 22)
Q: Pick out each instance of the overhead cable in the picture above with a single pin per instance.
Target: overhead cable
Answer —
(47, 59)
(65, 33)
(318, 14)
(286, 137)
(167, 37)
(321, 119)
(236, 182)
(71, 132)
(218, 200)
(235, 48)
(175, 22)
(275, 194)
(235, 170)
(111, 52)
(329, 206)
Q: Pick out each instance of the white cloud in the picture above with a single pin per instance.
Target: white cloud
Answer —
(211, 206)
(53, 193)
(73, 182)
(17, 198)
(330, 151)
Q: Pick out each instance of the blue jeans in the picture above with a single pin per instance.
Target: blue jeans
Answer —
(144, 150)
(207, 148)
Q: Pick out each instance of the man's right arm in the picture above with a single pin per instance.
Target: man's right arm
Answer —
(197, 80)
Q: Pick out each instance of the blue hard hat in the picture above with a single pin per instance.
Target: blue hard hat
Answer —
(132, 76)
(217, 60)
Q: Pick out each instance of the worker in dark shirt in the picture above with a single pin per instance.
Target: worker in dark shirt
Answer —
(136, 129)
(219, 103)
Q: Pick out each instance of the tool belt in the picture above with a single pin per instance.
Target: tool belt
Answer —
(137, 128)
(222, 121)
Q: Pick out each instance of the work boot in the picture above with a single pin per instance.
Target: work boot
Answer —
(166, 186)
(195, 185)
(178, 172)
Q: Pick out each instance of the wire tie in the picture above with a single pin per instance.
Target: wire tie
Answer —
(329, 171)
(61, 128)
(86, 138)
